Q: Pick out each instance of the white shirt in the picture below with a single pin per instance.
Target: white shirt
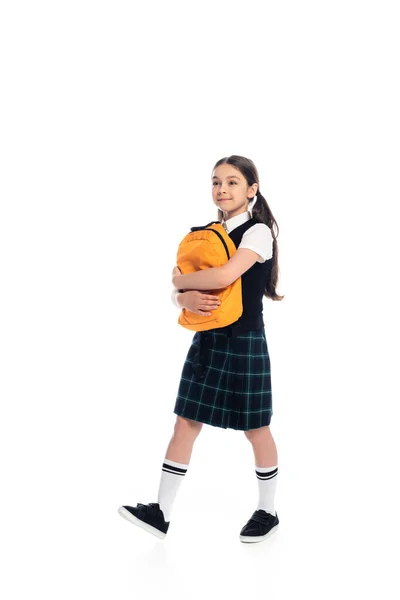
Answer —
(257, 238)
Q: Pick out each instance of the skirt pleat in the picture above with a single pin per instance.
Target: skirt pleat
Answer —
(226, 381)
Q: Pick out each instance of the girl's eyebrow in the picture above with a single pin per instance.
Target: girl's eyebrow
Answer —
(229, 177)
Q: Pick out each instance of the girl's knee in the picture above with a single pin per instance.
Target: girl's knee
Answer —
(259, 433)
(185, 426)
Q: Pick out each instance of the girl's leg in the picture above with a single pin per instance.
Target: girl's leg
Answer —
(181, 444)
(264, 448)
(266, 466)
(176, 462)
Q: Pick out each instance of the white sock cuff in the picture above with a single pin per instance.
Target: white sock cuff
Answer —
(175, 464)
(266, 469)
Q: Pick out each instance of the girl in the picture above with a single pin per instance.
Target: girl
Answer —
(226, 377)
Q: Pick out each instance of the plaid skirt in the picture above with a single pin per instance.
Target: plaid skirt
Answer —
(226, 381)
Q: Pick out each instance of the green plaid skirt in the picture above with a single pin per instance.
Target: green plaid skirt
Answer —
(226, 381)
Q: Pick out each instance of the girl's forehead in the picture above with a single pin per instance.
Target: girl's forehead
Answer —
(226, 171)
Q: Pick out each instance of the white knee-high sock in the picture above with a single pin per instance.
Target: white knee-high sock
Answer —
(171, 477)
(267, 478)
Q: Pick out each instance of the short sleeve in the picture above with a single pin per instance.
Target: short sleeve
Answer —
(259, 239)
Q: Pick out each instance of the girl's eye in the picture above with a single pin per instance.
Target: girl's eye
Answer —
(216, 182)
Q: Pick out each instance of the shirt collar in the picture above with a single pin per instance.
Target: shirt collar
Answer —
(233, 222)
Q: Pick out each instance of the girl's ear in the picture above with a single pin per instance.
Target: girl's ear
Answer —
(254, 189)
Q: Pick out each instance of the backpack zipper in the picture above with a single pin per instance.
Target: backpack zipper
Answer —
(217, 232)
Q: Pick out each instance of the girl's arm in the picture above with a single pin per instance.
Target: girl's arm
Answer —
(216, 277)
(207, 279)
(193, 300)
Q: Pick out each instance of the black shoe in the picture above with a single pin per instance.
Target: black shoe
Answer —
(148, 516)
(260, 525)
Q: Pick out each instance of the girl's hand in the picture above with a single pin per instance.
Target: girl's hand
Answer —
(198, 302)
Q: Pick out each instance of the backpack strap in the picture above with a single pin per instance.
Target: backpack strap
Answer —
(204, 226)
(200, 359)
(240, 326)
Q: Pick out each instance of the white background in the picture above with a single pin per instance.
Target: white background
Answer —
(113, 115)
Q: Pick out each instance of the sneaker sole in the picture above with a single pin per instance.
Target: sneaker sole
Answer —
(130, 517)
(258, 538)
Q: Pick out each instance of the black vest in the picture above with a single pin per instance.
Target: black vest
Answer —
(254, 282)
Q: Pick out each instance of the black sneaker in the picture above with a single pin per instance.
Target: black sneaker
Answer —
(148, 516)
(260, 525)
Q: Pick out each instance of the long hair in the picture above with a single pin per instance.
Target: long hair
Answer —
(261, 213)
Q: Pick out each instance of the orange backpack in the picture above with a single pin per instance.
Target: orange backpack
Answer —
(203, 248)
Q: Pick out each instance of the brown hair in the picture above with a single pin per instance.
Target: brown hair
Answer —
(261, 213)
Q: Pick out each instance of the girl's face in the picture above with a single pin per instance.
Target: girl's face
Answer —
(230, 190)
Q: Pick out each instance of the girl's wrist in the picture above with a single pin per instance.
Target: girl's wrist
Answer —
(179, 298)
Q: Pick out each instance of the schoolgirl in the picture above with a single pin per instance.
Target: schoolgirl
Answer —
(226, 376)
